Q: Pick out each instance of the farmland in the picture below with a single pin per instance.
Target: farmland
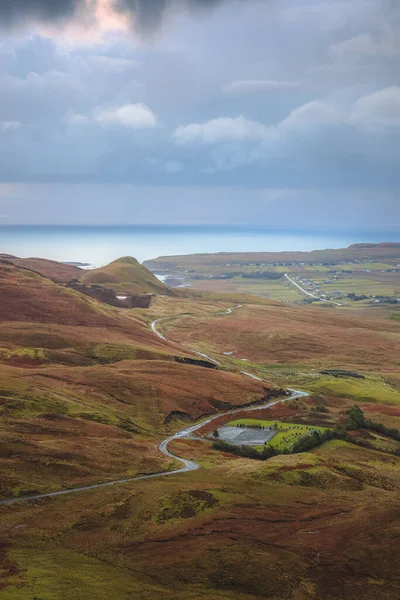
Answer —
(365, 270)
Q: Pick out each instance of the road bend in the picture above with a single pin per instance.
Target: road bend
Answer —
(187, 465)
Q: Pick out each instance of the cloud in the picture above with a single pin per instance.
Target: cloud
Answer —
(39, 97)
(110, 63)
(20, 11)
(148, 15)
(365, 45)
(76, 118)
(251, 86)
(380, 109)
(135, 116)
(319, 137)
(145, 15)
(172, 168)
(220, 130)
(227, 129)
(9, 125)
(315, 112)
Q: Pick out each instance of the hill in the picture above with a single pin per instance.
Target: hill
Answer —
(358, 252)
(85, 387)
(126, 274)
(60, 272)
(30, 297)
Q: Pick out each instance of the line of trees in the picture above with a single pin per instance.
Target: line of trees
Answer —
(246, 451)
(263, 275)
(304, 444)
(380, 428)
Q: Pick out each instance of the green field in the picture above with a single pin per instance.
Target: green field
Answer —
(356, 284)
(365, 278)
(277, 289)
(375, 266)
(287, 433)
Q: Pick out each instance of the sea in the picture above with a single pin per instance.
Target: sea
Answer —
(99, 245)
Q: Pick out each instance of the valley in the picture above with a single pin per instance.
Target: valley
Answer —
(106, 400)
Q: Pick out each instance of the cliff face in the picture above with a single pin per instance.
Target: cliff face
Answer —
(108, 296)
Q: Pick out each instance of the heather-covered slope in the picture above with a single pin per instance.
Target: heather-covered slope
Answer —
(89, 402)
(33, 307)
(28, 296)
(85, 387)
(60, 272)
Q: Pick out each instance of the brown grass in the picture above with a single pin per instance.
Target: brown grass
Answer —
(283, 334)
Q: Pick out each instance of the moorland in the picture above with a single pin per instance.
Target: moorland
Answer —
(89, 389)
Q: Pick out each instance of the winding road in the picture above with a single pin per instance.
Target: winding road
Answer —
(188, 465)
(309, 293)
(155, 330)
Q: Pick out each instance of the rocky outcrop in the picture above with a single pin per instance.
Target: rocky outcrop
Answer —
(196, 362)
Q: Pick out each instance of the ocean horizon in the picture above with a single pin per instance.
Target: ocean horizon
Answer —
(100, 244)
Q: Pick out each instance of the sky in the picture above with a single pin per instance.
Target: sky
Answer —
(283, 113)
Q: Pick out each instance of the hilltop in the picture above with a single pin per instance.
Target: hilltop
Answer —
(60, 272)
(125, 274)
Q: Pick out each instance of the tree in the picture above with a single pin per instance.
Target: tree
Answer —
(356, 418)
(215, 433)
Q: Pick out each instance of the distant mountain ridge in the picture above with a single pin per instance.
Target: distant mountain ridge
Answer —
(390, 251)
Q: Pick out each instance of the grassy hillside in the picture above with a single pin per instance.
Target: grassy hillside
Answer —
(126, 274)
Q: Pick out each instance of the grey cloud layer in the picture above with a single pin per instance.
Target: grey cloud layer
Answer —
(295, 95)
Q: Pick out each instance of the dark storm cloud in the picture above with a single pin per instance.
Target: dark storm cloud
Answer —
(149, 14)
(13, 12)
(146, 15)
